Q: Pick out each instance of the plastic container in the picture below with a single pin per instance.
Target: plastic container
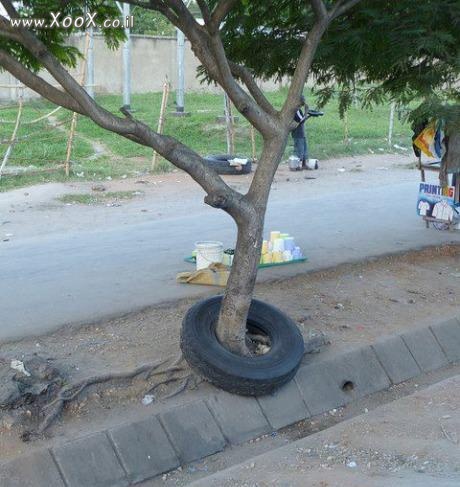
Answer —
(294, 163)
(207, 253)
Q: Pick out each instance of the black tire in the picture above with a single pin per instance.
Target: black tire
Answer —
(220, 163)
(247, 376)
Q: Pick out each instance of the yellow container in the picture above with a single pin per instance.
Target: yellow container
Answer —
(277, 257)
(274, 235)
(267, 258)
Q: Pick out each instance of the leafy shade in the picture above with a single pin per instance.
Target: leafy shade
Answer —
(56, 39)
(149, 22)
(403, 50)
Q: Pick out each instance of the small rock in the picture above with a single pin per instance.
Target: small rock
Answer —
(352, 464)
(98, 187)
(19, 366)
(338, 306)
(147, 399)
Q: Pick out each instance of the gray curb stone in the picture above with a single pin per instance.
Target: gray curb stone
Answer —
(35, 470)
(193, 431)
(396, 359)
(144, 449)
(137, 451)
(321, 384)
(425, 349)
(284, 407)
(448, 336)
(90, 462)
(240, 418)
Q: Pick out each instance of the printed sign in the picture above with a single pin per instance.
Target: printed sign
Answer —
(436, 202)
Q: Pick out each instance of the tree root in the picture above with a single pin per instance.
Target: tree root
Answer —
(70, 392)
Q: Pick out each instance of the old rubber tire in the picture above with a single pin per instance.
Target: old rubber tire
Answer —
(245, 375)
(220, 163)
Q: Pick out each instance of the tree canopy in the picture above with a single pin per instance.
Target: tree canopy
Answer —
(404, 50)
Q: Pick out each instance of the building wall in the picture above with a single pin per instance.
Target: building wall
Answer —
(152, 59)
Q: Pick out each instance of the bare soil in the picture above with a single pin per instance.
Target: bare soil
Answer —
(353, 304)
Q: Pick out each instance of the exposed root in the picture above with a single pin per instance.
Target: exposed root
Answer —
(70, 392)
(180, 388)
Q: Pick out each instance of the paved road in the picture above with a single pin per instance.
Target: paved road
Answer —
(50, 281)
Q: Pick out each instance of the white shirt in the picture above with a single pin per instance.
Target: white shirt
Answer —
(423, 207)
(443, 211)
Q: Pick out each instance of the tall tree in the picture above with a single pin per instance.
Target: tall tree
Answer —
(237, 41)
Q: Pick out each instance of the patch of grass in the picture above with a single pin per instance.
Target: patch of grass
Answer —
(367, 130)
(41, 146)
(99, 197)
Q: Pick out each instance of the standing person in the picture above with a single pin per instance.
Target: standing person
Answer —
(298, 134)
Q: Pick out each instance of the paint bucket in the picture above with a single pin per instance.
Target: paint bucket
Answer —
(289, 244)
(287, 255)
(297, 254)
(207, 253)
(266, 258)
(294, 163)
(277, 257)
(278, 245)
(274, 235)
(312, 164)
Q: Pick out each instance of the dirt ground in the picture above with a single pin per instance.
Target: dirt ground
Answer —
(353, 304)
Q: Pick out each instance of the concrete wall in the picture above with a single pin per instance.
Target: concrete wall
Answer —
(152, 58)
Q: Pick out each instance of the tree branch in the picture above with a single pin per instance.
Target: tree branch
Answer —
(221, 10)
(309, 48)
(168, 147)
(38, 84)
(319, 9)
(341, 7)
(303, 67)
(204, 9)
(6, 31)
(262, 121)
(246, 76)
(10, 10)
(209, 50)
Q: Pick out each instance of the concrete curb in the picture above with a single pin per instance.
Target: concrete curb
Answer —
(137, 451)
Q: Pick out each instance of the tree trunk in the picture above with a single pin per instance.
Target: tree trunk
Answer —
(231, 326)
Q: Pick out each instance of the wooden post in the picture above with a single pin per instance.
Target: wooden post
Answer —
(229, 124)
(161, 120)
(346, 138)
(14, 134)
(73, 123)
(391, 124)
(253, 144)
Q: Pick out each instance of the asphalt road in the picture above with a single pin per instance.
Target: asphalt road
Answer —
(50, 281)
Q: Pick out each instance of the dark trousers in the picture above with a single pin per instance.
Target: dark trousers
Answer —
(301, 148)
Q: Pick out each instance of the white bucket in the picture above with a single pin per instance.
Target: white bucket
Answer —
(208, 252)
(312, 164)
(294, 163)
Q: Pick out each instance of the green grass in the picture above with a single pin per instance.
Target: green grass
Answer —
(41, 146)
(98, 198)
